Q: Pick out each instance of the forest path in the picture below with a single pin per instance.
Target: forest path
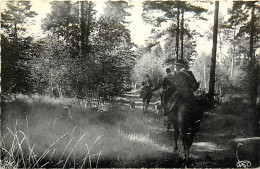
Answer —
(213, 145)
(134, 96)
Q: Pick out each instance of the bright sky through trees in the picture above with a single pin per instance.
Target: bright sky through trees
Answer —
(140, 30)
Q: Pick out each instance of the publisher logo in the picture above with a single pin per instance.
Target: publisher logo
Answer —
(244, 164)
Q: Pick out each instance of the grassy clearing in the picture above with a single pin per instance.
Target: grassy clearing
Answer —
(34, 135)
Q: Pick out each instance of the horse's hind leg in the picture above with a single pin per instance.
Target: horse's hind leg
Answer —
(143, 104)
(147, 104)
(186, 156)
(176, 136)
(186, 146)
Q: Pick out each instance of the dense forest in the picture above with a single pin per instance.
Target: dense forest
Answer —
(82, 56)
(91, 56)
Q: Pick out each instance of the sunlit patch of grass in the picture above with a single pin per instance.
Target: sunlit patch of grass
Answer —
(44, 99)
(32, 140)
(207, 147)
(146, 140)
(35, 136)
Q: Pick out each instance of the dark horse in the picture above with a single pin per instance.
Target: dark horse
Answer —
(186, 117)
(146, 95)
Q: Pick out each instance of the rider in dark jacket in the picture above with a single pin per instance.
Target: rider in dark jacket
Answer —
(168, 80)
(184, 80)
(146, 91)
(147, 81)
(184, 85)
(147, 84)
(168, 87)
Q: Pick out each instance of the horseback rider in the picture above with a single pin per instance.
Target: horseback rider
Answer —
(168, 88)
(168, 80)
(146, 91)
(147, 81)
(184, 80)
(183, 87)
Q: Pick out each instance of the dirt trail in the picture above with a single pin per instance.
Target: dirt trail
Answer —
(134, 96)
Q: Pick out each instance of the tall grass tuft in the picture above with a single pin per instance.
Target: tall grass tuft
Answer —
(20, 153)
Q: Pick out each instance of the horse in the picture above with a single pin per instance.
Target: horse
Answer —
(146, 95)
(186, 117)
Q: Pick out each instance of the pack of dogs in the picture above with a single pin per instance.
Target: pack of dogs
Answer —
(66, 109)
(157, 108)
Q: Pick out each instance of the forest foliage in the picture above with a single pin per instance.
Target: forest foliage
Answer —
(83, 56)
(86, 55)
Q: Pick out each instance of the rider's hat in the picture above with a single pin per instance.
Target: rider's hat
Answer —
(180, 62)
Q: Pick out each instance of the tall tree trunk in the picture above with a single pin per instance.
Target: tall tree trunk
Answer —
(233, 56)
(67, 21)
(178, 31)
(257, 101)
(88, 25)
(82, 57)
(82, 26)
(214, 52)
(252, 30)
(254, 75)
(182, 31)
(15, 33)
(204, 73)
(232, 64)
(253, 72)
